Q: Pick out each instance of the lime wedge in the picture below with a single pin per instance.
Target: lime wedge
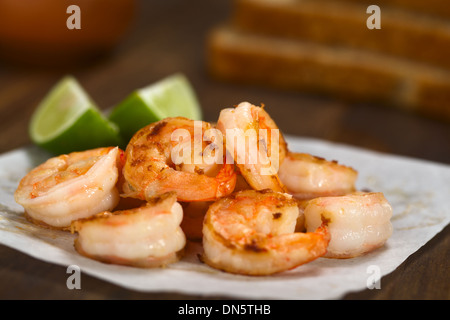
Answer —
(170, 97)
(68, 120)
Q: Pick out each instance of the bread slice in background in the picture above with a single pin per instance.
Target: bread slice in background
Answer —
(403, 33)
(347, 73)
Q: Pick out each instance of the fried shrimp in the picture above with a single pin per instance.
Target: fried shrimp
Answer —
(148, 236)
(259, 157)
(150, 168)
(70, 187)
(358, 222)
(306, 176)
(252, 232)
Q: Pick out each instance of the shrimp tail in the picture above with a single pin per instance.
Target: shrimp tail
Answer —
(226, 180)
(319, 241)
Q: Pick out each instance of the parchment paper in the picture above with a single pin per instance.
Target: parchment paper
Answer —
(418, 191)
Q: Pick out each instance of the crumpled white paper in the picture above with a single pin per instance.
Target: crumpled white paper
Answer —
(417, 190)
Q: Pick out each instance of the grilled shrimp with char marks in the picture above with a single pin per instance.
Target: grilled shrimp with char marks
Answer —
(257, 160)
(358, 222)
(70, 187)
(306, 176)
(147, 236)
(252, 232)
(149, 168)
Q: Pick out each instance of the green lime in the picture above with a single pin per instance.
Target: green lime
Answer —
(170, 97)
(68, 120)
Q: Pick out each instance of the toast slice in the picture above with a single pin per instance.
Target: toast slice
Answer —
(351, 74)
(404, 34)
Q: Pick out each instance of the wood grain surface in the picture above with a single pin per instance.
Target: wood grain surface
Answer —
(168, 37)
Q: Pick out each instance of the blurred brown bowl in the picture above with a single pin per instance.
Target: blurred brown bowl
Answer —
(36, 32)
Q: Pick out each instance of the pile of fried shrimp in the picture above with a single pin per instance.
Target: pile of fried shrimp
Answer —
(253, 216)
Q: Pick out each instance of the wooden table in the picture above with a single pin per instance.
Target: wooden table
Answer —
(169, 37)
